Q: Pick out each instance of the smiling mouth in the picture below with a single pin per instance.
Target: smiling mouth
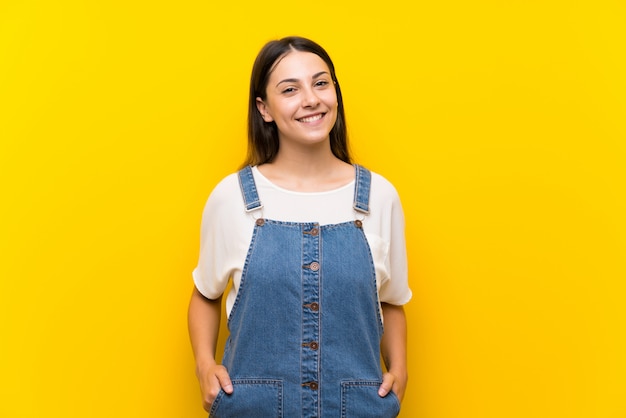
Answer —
(311, 118)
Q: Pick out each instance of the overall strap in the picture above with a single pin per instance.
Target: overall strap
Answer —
(248, 189)
(362, 189)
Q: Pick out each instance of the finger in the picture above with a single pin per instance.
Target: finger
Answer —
(211, 385)
(224, 379)
(210, 392)
(387, 384)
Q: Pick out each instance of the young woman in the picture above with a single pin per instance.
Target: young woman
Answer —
(315, 249)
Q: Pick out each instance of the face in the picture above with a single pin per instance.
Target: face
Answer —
(301, 99)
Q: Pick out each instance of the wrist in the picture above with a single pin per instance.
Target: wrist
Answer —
(202, 365)
(400, 373)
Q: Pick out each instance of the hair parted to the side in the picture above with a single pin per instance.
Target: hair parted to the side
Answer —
(263, 136)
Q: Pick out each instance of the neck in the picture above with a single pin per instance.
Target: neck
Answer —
(308, 169)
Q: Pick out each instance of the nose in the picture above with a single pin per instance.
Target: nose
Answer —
(310, 98)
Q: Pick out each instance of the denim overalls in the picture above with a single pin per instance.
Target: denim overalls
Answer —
(305, 327)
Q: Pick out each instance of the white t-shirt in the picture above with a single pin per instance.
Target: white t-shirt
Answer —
(227, 230)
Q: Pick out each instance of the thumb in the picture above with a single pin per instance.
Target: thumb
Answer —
(386, 386)
(224, 379)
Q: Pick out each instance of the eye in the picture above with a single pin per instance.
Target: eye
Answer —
(289, 90)
(321, 83)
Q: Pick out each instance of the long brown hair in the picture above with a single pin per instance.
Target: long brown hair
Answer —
(263, 136)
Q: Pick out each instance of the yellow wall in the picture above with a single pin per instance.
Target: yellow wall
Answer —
(502, 124)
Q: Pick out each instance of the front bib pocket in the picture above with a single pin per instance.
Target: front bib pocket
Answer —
(359, 399)
(250, 398)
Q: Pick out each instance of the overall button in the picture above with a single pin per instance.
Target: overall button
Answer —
(312, 306)
(260, 222)
(315, 232)
(311, 385)
(315, 266)
(358, 223)
(313, 345)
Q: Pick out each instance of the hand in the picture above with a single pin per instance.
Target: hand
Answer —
(394, 383)
(212, 379)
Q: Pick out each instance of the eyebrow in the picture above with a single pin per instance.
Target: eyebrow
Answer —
(295, 80)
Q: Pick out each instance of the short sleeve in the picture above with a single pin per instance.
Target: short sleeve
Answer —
(223, 222)
(390, 225)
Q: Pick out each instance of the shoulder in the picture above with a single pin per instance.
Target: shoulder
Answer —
(227, 186)
(381, 188)
(225, 196)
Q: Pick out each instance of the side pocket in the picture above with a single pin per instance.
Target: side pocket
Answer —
(250, 398)
(359, 399)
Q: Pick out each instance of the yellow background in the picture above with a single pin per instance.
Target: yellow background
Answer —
(501, 123)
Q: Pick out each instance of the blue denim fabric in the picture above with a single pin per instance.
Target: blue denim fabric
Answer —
(305, 327)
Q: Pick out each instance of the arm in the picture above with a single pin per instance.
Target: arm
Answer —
(393, 349)
(204, 323)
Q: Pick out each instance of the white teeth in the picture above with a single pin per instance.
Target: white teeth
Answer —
(312, 118)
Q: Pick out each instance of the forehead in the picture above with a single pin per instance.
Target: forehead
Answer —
(298, 64)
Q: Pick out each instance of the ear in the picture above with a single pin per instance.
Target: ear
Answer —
(260, 105)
